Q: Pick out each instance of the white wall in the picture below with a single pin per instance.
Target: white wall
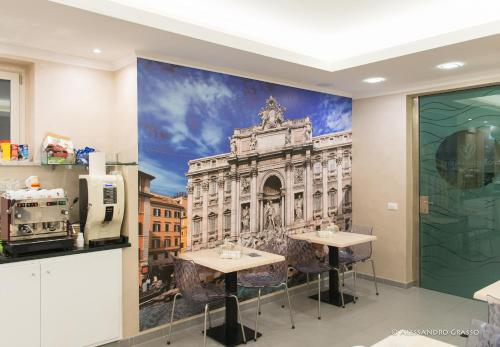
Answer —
(380, 164)
(73, 101)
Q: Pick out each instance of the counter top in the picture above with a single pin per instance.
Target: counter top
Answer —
(42, 255)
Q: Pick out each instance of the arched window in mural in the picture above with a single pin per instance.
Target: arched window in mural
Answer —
(332, 198)
(196, 226)
(212, 224)
(317, 203)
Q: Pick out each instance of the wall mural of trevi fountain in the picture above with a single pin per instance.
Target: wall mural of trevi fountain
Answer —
(232, 159)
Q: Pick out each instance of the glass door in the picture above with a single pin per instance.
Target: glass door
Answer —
(460, 190)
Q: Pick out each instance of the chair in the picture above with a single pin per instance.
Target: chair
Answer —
(268, 276)
(194, 291)
(353, 255)
(483, 334)
(301, 256)
(493, 310)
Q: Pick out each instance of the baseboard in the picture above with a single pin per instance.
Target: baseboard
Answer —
(388, 281)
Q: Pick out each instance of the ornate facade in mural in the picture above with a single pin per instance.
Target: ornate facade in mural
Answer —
(277, 180)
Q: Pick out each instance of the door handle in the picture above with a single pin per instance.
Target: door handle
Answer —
(424, 204)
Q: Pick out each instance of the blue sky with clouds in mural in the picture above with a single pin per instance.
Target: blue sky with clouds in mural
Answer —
(187, 113)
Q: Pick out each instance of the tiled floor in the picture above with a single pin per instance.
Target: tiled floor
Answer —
(369, 320)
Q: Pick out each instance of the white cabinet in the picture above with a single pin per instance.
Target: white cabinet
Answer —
(20, 305)
(67, 301)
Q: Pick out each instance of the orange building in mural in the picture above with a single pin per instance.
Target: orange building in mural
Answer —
(182, 200)
(165, 229)
(144, 218)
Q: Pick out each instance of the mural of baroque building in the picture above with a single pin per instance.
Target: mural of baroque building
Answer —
(278, 179)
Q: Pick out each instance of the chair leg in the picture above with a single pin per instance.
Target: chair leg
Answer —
(239, 317)
(355, 279)
(205, 326)
(343, 282)
(172, 318)
(319, 296)
(307, 277)
(374, 276)
(340, 288)
(289, 305)
(257, 315)
(209, 318)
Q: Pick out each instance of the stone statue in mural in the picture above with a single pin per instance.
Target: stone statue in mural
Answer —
(271, 115)
(245, 185)
(253, 141)
(233, 145)
(298, 175)
(299, 206)
(269, 217)
(288, 137)
(308, 130)
(245, 219)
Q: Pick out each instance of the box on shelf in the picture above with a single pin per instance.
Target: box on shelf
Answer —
(57, 149)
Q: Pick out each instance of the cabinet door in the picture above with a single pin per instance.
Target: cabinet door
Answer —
(20, 305)
(81, 299)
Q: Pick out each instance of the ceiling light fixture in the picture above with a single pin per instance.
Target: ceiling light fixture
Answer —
(450, 65)
(97, 51)
(373, 80)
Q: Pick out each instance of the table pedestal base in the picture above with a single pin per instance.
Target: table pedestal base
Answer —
(231, 338)
(334, 298)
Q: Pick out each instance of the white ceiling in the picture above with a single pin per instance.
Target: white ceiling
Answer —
(329, 44)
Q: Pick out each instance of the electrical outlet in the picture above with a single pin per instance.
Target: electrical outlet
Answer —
(392, 206)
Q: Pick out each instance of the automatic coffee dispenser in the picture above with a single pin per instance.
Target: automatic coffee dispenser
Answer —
(102, 200)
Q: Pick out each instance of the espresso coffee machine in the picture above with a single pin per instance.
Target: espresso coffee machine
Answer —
(102, 204)
(34, 221)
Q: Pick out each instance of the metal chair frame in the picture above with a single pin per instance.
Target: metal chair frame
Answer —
(206, 315)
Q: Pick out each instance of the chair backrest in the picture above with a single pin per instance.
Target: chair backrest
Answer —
(493, 310)
(483, 334)
(300, 252)
(187, 277)
(363, 250)
(279, 269)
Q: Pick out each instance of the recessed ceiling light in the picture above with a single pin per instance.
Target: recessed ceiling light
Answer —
(470, 119)
(450, 65)
(373, 80)
(485, 122)
(97, 51)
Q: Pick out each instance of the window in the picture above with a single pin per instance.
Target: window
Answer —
(317, 201)
(156, 212)
(212, 223)
(196, 225)
(177, 214)
(156, 227)
(167, 227)
(317, 168)
(166, 243)
(156, 243)
(176, 241)
(332, 198)
(11, 117)
(177, 228)
(140, 228)
(213, 187)
(227, 221)
(347, 196)
(332, 165)
(168, 213)
(227, 185)
(197, 191)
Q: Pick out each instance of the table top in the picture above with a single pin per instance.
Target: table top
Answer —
(211, 258)
(339, 239)
(404, 338)
(493, 290)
